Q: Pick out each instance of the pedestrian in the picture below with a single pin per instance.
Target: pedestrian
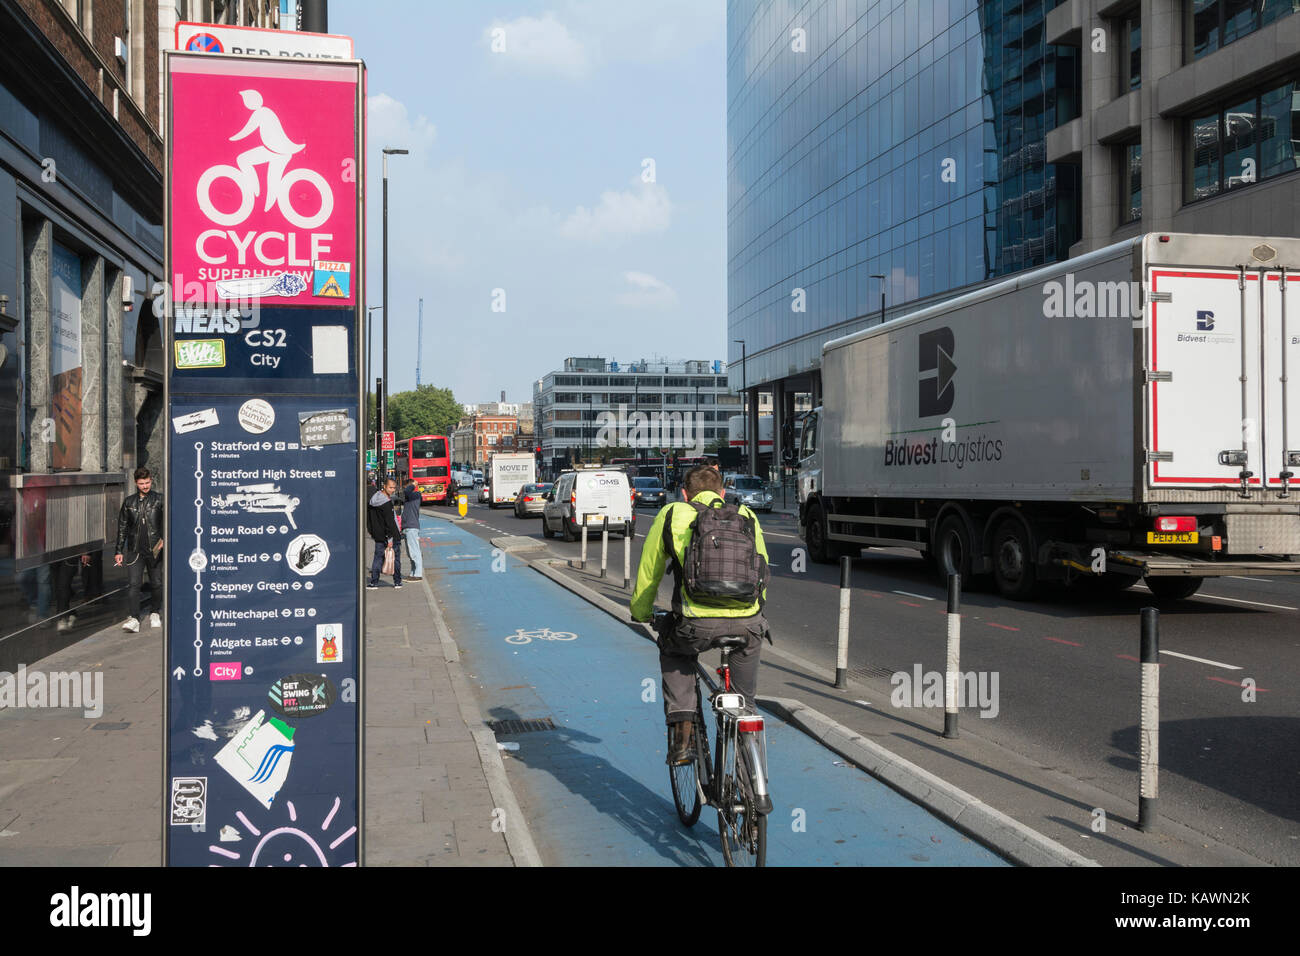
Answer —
(411, 501)
(140, 545)
(701, 614)
(381, 523)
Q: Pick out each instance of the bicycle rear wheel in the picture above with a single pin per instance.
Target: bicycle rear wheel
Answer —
(743, 830)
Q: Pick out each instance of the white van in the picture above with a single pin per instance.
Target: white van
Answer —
(590, 495)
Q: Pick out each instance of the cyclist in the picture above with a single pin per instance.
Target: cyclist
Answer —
(694, 627)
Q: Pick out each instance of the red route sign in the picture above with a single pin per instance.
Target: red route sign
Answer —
(388, 441)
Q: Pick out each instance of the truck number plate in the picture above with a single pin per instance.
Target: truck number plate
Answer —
(1185, 537)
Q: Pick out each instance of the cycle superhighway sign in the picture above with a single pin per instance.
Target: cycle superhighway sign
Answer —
(263, 661)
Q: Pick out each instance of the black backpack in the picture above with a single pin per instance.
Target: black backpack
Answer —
(721, 567)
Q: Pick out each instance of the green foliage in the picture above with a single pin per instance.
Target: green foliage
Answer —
(427, 410)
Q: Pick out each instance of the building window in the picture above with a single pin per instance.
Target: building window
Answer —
(1245, 142)
(1133, 31)
(1216, 23)
(1131, 204)
(1204, 181)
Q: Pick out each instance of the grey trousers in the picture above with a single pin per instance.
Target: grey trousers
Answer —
(679, 650)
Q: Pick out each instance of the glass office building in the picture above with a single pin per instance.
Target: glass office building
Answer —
(883, 138)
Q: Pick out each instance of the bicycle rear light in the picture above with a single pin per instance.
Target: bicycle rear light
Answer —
(749, 725)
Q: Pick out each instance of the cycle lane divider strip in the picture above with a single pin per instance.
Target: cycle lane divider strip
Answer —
(1016, 841)
(596, 787)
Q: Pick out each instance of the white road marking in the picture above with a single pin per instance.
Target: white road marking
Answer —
(1238, 577)
(1201, 660)
(921, 596)
(1219, 597)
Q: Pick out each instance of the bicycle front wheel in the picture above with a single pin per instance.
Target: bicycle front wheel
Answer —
(686, 791)
(742, 829)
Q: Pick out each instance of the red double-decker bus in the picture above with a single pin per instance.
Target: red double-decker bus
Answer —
(428, 464)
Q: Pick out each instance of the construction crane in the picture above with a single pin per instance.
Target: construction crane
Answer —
(419, 344)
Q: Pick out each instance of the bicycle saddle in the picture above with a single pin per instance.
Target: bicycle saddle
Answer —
(731, 641)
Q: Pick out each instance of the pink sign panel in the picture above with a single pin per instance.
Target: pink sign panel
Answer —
(263, 197)
(231, 671)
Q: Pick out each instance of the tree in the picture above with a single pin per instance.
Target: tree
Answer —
(427, 410)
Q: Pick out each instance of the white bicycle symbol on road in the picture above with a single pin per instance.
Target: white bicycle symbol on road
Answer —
(522, 636)
(275, 153)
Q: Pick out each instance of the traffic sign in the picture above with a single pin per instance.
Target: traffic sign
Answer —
(388, 459)
(370, 459)
(388, 441)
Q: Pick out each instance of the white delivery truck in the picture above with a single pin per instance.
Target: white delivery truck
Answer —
(507, 473)
(1121, 416)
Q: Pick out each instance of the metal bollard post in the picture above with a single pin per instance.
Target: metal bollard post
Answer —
(842, 648)
(952, 676)
(604, 542)
(1149, 731)
(582, 563)
(627, 559)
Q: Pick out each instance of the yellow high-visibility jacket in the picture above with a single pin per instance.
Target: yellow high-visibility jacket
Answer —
(654, 559)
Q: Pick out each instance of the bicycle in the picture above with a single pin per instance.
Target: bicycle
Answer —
(738, 791)
(522, 636)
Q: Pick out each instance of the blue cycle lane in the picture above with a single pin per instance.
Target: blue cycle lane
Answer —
(595, 789)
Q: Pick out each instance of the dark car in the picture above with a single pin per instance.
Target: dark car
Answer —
(650, 491)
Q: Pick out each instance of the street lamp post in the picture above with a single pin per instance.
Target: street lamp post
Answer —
(382, 400)
(882, 296)
(369, 410)
(744, 405)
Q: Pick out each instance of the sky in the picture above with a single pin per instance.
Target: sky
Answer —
(568, 162)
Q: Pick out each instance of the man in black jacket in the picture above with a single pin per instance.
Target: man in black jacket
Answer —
(381, 523)
(140, 543)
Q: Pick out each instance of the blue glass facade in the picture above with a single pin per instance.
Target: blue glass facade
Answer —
(902, 138)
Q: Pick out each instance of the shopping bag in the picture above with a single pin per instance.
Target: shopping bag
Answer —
(390, 562)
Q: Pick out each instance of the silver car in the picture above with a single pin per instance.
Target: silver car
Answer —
(747, 490)
(529, 501)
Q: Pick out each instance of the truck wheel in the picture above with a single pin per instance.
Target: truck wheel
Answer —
(570, 534)
(818, 547)
(546, 529)
(1174, 589)
(952, 551)
(1013, 561)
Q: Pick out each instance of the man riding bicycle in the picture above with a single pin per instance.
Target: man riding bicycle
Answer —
(696, 623)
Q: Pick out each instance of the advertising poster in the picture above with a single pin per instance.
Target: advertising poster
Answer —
(263, 181)
(65, 357)
(264, 657)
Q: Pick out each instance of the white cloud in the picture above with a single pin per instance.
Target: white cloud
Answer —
(645, 208)
(646, 292)
(595, 32)
(389, 124)
(542, 45)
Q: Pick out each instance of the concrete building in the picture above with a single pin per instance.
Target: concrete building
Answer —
(81, 247)
(886, 154)
(580, 407)
(81, 257)
(1188, 117)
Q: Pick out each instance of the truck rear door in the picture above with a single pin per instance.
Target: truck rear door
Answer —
(1220, 344)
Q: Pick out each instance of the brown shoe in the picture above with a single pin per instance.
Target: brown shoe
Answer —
(681, 743)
